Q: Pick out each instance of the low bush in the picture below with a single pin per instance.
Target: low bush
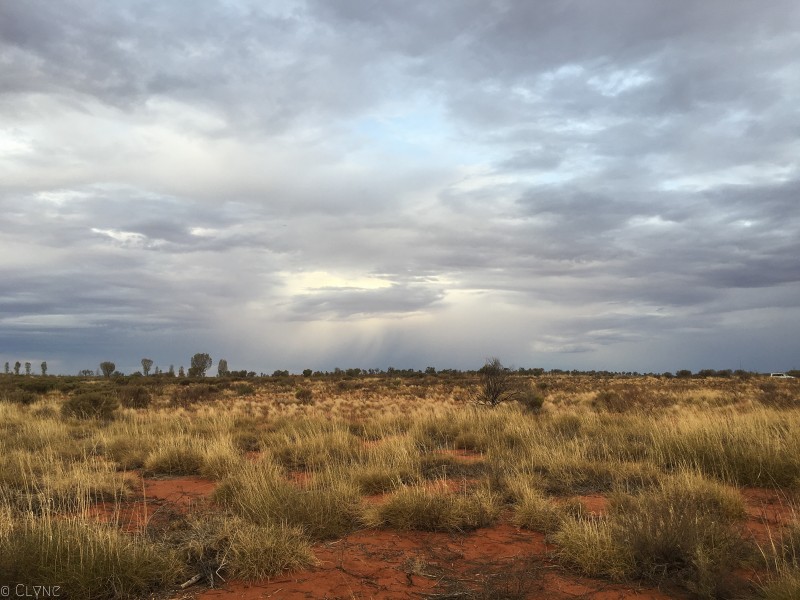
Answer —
(244, 389)
(17, 396)
(90, 405)
(38, 385)
(530, 400)
(136, 396)
(304, 396)
(189, 393)
(533, 510)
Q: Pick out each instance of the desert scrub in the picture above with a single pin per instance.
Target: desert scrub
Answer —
(300, 449)
(434, 508)
(88, 560)
(175, 456)
(326, 508)
(221, 457)
(134, 396)
(386, 465)
(304, 396)
(126, 452)
(593, 547)
(683, 530)
(756, 448)
(90, 405)
(227, 545)
(532, 508)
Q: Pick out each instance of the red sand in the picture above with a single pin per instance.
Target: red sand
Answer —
(157, 499)
(767, 512)
(498, 560)
(383, 565)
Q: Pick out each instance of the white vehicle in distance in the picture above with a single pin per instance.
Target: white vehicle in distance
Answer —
(781, 376)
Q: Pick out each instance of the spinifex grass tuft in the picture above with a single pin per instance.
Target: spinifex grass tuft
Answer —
(326, 508)
(435, 508)
(87, 560)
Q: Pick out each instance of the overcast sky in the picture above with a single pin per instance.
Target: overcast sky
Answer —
(598, 184)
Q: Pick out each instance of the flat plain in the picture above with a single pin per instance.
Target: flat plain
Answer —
(401, 486)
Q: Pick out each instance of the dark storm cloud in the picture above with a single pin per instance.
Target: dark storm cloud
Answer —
(547, 178)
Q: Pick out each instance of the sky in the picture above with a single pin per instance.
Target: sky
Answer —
(606, 184)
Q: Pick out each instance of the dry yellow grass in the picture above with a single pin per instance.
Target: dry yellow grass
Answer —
(648, 442)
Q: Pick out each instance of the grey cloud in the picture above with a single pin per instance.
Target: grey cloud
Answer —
(600, 175)
(348, 302)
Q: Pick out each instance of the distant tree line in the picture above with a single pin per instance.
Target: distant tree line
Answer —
(201, 362)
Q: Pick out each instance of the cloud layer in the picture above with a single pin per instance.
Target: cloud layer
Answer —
(607, 185)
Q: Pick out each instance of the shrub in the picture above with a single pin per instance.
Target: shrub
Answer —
(779, 396)
(38, 385)
(90, 405)
(495, 385)
(23, 397)
(531, 400)
(537, 512)
(191, 393)
(304, 396)
(621, 400)
(244, 389)
(135, 397)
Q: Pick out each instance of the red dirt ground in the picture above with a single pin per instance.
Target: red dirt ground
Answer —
(496, 561)
(382, 565)
(156, 500)
(767, 513)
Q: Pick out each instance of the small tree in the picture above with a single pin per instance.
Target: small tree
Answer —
(44, 368)
(8, 369)
(146, 364)
(107, 368)
(27, 368)
(171, 371)
(222, 368)
(201, 362)
(181, 372)
(495, 385)
(17, 365)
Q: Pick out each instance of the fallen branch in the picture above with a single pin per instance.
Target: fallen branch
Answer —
(192, 581)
